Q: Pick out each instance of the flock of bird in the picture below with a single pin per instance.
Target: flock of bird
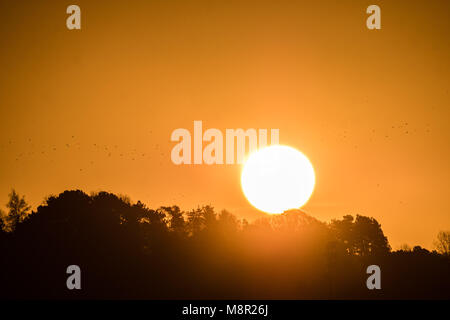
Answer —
(157, 151)
(74, 145)
(393, 131)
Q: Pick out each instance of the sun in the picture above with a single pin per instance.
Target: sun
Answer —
(277, 178)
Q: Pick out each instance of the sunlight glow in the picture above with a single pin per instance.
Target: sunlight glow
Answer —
(277, 178)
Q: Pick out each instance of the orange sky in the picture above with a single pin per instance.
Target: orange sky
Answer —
(94, 109)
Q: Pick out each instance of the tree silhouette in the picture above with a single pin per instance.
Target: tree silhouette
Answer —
(2, 227)
(174, 219)
(405, 247)
(18, 209)
(2, 223)
(442, 242)
(127, 250)
(362, 236)
(199, 219)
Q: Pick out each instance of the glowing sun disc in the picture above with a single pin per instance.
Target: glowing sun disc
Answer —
(277, 178)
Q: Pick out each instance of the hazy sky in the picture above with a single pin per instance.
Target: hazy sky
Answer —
(93, 109)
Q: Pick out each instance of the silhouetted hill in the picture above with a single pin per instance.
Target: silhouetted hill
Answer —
(126, 250)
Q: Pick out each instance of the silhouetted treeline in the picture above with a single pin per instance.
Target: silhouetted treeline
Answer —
(126, 250)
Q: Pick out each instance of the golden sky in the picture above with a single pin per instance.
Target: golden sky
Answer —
(94, 108)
